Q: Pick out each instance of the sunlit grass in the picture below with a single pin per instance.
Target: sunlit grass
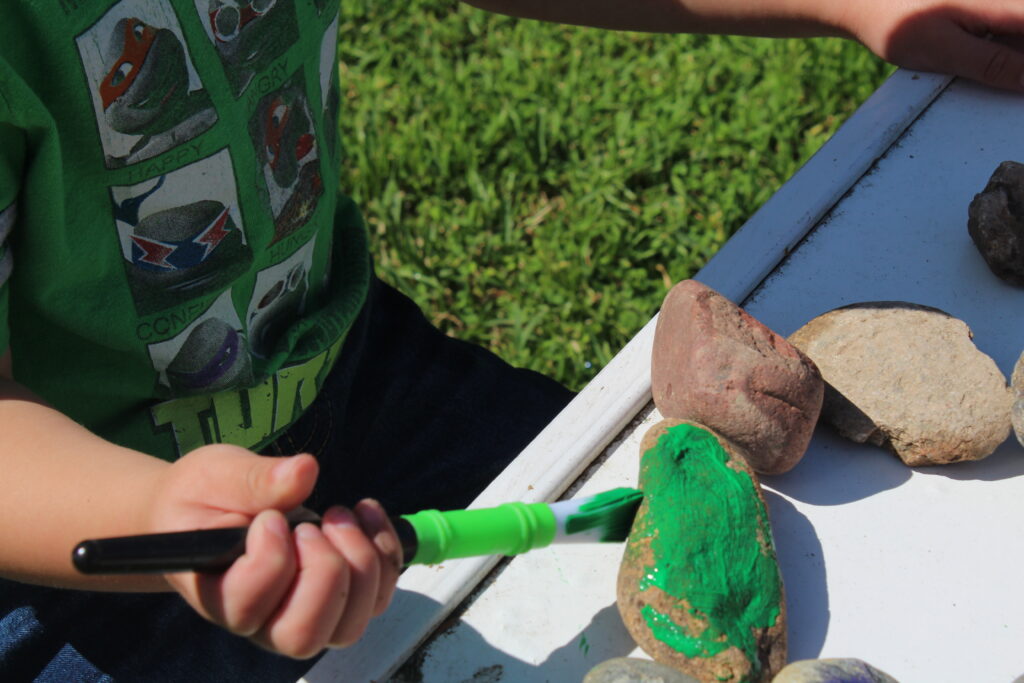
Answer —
(536, 188)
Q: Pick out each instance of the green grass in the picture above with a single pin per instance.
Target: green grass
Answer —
(537, 188)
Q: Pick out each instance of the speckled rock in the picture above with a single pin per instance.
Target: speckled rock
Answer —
(1017, 414)
(715, 364)
(635, 670)
(699, 587)
(995, 221)
(847, 670)
(908, 378)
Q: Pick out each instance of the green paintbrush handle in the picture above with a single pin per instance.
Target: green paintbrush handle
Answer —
(508, 529)
(427, 537)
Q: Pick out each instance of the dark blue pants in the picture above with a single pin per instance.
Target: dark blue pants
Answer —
(408, 416)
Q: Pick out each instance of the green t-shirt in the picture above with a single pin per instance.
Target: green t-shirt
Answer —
(177, 268)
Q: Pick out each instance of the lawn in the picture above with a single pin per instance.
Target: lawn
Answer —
(537, 188)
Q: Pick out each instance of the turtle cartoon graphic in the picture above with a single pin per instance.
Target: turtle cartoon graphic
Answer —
(212, 358)
(181, 253)
(283, 135)
(277, 308)
(250, 34)
(145, 91)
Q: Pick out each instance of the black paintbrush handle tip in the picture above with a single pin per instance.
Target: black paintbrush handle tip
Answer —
(206, 550)
(200, 550)
(407, 537)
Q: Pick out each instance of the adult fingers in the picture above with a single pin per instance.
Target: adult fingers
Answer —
(991, 62)
(342, 527)
(248, 593)
(308, 615)
(378, 528)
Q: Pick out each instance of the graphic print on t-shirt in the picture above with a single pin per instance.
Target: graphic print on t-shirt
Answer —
(208, 356)
(278, 298)
(146, 94)
(6, 223)
(330, 91)
(181, 234)
(248, 34)
(285, 141)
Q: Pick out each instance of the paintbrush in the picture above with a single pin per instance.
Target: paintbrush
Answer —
(427, 537)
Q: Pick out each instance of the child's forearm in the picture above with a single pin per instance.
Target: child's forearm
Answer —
(769, 18)
(60, 485)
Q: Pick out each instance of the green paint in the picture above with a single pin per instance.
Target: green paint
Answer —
(612, 512)
(671, 633)
(706, 523)
(584, 645)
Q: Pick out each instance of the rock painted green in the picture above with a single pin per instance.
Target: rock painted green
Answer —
(710, 544)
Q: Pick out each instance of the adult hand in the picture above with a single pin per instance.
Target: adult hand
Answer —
(977, 39)
(293, 593)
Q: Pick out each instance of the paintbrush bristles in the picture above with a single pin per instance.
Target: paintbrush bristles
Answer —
(605, 517)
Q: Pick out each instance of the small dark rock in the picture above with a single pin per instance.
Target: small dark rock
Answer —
(996, 222)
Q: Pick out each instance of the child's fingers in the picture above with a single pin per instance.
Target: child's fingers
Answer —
(307, 616)
(249, 591)
(342, 528)
(378, 528)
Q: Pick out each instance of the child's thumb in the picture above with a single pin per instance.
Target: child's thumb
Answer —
(280, 483)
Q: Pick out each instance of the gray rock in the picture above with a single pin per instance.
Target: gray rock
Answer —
(1017, 382)
(996, 222)
(845, 670)
(908, 378)
(634, 670)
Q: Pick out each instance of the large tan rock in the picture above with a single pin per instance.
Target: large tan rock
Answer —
(699, 587)
(1017, 382)
(908, 378)
(715, 364)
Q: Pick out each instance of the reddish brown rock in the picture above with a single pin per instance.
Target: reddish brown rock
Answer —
(910, 379)
(995, 221)
(715, 364)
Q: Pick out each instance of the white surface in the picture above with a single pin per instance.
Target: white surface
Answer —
(914, 571)
(795, 209)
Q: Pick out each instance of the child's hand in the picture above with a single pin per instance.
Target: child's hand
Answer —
(945, 36)
(294, 593)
